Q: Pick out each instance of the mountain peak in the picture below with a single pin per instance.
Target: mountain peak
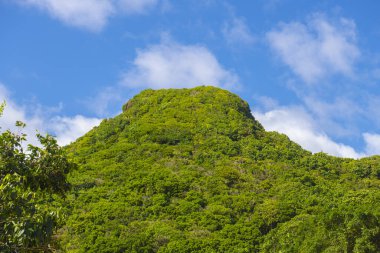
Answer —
(201, 95)
(191, 170)
(197, 110)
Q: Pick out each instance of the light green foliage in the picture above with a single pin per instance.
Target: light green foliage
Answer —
(30, 185)
(191, 170)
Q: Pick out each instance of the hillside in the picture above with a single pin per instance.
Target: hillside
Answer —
(191, 170)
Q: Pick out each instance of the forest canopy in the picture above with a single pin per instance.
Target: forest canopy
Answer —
(191, 170)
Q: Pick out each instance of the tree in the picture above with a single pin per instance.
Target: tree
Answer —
(31, 184)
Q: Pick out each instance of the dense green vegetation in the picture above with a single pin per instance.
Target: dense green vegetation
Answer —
(191, 170)
(32, 185)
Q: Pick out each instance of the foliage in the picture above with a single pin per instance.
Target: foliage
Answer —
(30, 184)
(191, 170)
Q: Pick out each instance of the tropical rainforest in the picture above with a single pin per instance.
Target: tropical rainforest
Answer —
(191, 170)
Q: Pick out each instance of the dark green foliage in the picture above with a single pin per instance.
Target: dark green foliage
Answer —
(191, 170)
(31, 185)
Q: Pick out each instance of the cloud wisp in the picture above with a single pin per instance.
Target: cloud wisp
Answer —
(173, 65)
(318, 51)
(372, 143)
(299, 126)
(92, 15)
(66, 129)
(237, 32)
(104, 99)
(317, 48)
(137, 6)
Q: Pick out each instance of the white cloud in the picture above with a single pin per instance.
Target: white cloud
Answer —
(339, 117)
(13, 113)
(342, 107)
(267, 103)
(137, 6)
(69, 129)
(66, 129)
(92, 15)
(237, 32)
(372, 143)
(100, 103)
(170, 64)
(88, 14)
(372, 108)
(316, 49)
(299, 126)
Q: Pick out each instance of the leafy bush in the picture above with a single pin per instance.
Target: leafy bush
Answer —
(32, 184)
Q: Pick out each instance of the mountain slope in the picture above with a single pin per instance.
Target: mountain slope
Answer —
(191, 170)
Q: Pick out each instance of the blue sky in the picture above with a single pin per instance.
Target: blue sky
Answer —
(309, 69)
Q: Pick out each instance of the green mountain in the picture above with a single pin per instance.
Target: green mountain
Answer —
(191, 170)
